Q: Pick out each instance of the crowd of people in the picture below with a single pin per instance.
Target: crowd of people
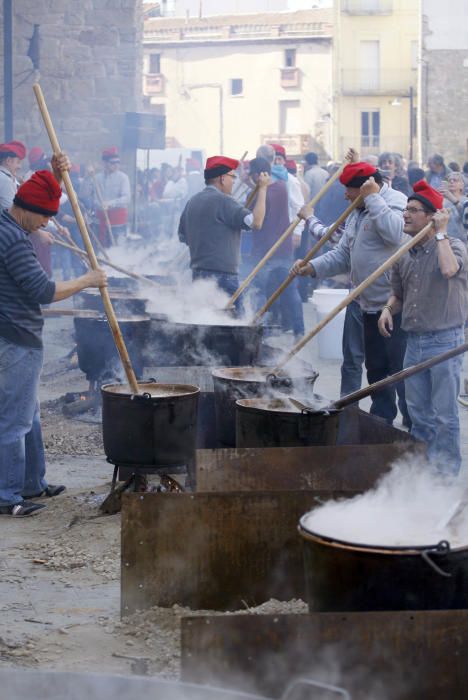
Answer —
(230, 215)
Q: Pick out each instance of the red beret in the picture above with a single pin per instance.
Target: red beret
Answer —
(14, 149)
(109, 153)
(427, 195)
(279, 149)
(40, 194)
(356, 170)
(35, 155)
(219, 165)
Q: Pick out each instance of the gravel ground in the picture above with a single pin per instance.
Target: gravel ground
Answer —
(60, 571)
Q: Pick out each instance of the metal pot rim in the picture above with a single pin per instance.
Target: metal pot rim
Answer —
(229, 373)
(183, 390)
(409, 550)
(254, 405)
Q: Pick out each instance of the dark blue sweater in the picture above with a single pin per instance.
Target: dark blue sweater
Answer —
(24, 286)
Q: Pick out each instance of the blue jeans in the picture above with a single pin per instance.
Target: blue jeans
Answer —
(289, 304)
(431, 396)
(353, 349)
(228, 282)
(22, 460)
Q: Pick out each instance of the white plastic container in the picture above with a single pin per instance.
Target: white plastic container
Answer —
(330, 337)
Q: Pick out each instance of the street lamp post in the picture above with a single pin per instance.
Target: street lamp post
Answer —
(396, 103)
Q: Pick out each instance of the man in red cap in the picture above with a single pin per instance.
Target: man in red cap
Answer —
(372, 233)
(430, 287)
(112, 194)
(212, 221)
(11, 155)
(24, 286)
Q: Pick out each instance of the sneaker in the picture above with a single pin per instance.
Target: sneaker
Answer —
(51, 491)
(22, 510)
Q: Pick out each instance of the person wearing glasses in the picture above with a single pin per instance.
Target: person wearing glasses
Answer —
(372, 233)
(430, 289)
(212, 221)
(112, 194)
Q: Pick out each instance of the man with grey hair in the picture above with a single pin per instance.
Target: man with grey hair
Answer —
(456, 204)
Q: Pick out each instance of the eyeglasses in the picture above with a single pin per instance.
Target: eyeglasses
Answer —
(234, 177)
(413, 210)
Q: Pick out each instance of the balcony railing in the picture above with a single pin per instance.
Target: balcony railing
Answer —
(154, 84)
(367, 7)
(290, 77)
(369, 81)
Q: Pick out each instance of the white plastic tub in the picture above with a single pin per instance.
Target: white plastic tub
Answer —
(330, 337)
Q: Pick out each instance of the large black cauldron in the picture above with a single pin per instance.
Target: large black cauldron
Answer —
(203, 344)
(278, 423)
(123, 284)
(22, 684)
(233, 383)
(343, 576)
(156, 427)
(123, 302)
(97, 355)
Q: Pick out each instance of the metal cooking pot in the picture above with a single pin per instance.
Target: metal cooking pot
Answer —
(52, 685)
(344, 576)
(123, 302)
(156, 427)
(201, 344)
(97, 355)
(124, 284)
(234, 383)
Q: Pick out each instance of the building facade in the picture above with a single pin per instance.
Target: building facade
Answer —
(375, 76)
(444, 80)
(227, 84)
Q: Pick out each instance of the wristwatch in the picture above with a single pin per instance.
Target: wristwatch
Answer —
(440, 236)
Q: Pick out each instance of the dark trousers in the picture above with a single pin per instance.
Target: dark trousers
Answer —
(384, 356)
(353, 349)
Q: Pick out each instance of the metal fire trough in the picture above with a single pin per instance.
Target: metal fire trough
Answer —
(234, 541)
(384, 656)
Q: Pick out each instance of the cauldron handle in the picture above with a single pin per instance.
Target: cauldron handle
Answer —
(292, 688)
(443, 546)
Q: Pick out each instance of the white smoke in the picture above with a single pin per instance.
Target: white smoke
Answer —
(407, 507)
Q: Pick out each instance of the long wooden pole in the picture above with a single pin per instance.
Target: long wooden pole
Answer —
(312, 252)
(101, 261)
(280, 241)
(355, 293)
(398, 376)
(111, 317)
(104, 210)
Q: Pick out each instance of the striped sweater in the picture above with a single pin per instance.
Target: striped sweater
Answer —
(24, 286)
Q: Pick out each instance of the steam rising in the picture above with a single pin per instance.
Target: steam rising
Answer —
(183, 301)
(406, 508)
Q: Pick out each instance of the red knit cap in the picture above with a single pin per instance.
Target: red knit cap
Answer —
(291, 165)
(219, 165)
(427, 195)
(15, 149)
(35, 155)
(110, 153)
(355, 174)
(40, 194)
(279, 149)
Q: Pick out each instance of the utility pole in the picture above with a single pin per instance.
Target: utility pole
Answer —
(8, 69)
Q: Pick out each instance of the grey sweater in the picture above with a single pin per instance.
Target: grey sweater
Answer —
(370, 237)
(211, 226)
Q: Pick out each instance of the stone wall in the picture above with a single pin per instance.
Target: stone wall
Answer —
(446, 126)
(90, 71)
(444, 80)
